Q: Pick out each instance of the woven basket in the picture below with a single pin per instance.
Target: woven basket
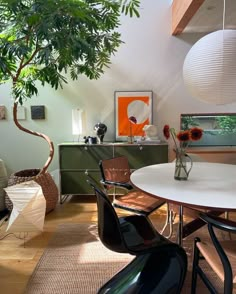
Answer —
(45, 180)
(3, 184)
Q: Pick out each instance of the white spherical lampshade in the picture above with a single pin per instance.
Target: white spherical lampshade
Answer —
(209, 69)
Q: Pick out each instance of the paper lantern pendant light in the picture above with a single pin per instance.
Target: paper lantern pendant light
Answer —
(209, 69)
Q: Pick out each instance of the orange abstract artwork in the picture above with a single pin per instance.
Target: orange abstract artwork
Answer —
(137, 104)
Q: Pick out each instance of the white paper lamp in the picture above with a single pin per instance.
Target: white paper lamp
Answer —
(209, 69)
(29, 207)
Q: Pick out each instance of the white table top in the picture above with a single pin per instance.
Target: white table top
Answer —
(210, 185)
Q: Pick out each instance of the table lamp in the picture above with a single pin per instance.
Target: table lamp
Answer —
(78, 122)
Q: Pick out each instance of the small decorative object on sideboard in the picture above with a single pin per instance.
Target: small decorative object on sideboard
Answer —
(132, 120)
(100, 130)
(151, 134)
(90, 140)
(182, 169)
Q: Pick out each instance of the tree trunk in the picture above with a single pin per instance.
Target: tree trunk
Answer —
(50, 143)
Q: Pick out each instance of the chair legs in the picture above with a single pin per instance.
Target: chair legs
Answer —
(227, 217)
(196, 270)
(195, 266)
(162, 271)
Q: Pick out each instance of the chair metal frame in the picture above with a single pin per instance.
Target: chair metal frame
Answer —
(124, 183)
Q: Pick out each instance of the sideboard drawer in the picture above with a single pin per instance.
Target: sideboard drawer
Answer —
(83, 157)
(141, 155)
(75, 182)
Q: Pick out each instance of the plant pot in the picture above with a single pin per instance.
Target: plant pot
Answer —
(3, 184)
(45, 180)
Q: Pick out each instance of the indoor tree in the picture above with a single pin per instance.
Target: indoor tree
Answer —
(43, 41)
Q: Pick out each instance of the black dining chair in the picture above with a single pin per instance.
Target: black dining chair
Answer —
(115, 173)
(159, 265)
(220, 255)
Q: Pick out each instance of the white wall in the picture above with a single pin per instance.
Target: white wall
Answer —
(150, 59)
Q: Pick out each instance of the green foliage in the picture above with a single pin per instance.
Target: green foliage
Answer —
(227, 124)
(187, 122)
(130, 7)
(43, 40)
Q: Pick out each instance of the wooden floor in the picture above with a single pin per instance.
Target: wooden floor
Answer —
(18, 258)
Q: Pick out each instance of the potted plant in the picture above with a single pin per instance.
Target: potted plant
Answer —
(43, 41)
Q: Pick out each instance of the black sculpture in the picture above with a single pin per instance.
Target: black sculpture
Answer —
(90, 140)
(100, 130)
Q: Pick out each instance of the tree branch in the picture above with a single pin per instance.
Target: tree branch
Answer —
(32, 56)
(50, 143)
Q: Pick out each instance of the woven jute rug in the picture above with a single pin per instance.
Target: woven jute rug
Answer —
(75, 261)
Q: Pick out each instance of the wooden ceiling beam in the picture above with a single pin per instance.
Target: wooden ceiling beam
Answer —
(182, 12)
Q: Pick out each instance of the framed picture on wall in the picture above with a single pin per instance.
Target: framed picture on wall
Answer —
(137, 104)
(219, 129)
(38, 112)
(21, 113)
(2, 112)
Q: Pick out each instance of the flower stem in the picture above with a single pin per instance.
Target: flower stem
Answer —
(173, 135)
(130, 129)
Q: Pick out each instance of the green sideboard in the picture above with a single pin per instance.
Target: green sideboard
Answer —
(77, 158)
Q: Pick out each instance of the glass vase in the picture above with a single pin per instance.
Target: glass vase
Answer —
(183, 165)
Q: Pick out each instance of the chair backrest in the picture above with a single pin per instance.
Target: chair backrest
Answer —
(228, 226)
(115, 169)
(218, 223)
(108, 222)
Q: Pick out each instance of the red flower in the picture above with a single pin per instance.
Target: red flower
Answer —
(196, 134)
(133, 119)
(183, 136)
(166, 131)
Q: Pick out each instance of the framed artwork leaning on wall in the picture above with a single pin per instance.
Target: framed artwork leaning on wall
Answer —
(137, 104)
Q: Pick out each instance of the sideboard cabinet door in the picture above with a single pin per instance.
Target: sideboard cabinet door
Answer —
(74, 161)
(142, 155)
(74, 182)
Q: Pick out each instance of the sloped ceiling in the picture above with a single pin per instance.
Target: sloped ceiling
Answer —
(199, 16)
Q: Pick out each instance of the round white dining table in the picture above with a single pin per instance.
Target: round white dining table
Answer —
(209, 185)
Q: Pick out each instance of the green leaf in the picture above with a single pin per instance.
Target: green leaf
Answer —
(43, 40)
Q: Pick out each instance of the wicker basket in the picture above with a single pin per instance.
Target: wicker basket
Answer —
(45, 180)
(3, 184)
